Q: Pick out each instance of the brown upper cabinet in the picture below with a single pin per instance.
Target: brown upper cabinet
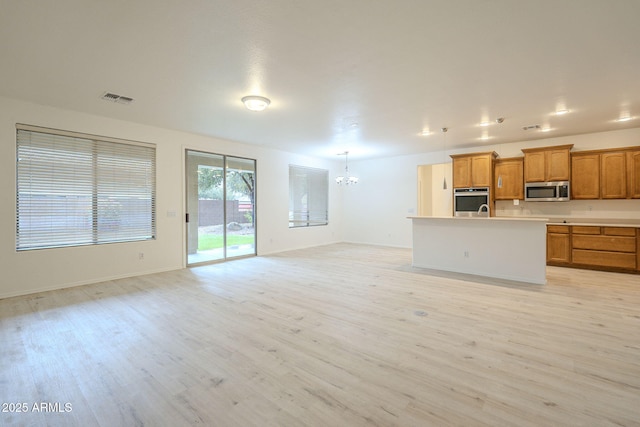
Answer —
(633, 173)
(606, 174)
(613, 175)
(585, 175)
(508, 178)
(545, 164)
(473, 170)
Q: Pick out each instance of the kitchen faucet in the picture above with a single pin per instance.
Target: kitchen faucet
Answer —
(484, 205)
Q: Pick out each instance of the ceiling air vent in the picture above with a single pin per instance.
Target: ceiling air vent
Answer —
(530, 127)
(113, 97)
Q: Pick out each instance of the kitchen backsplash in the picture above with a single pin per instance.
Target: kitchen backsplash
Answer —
(575, 209)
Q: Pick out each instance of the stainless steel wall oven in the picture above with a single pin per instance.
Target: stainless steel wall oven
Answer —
(471, 201)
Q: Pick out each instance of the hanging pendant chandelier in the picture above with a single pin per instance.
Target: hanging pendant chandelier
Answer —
(346, 179)
(444, 155)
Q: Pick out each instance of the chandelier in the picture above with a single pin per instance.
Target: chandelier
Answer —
(346, 179)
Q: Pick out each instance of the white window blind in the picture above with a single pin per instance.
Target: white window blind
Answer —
(75, 189)
(308, 196)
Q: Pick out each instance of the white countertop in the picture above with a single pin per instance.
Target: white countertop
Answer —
(593, 222)
(482, 218)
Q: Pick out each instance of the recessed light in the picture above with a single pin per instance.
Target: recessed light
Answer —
(624, 119)
(483, 124)
(561, 112)
(425, 132)
(546, 129)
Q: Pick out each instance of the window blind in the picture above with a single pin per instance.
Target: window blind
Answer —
(308, 196)
(75, 189)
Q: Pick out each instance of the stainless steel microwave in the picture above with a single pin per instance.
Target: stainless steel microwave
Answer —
(471, 201)
(557, 191)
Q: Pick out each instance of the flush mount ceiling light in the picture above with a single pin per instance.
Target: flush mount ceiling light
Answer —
(255, 103)
(561, 112)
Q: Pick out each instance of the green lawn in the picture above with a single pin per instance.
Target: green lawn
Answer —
(213, 241)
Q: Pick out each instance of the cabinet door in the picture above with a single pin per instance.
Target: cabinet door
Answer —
(557, 165)
(481, 167)
(638, 249)
(534, 167)
(633, 173)
(613, 175)
(462, 172)
(585, 176)
(558, 248)
(508, 173)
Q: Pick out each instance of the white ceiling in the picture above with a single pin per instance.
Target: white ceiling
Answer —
(360, 75)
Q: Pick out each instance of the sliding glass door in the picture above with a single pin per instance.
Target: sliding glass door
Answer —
(220, 207)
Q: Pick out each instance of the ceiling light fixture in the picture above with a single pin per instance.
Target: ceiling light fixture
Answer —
(561, 112)
(624, 119)
(346, 179)
(255, 103)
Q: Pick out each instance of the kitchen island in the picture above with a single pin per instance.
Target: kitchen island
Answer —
(504, 248)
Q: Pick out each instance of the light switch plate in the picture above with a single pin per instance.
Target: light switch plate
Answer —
(516, 202)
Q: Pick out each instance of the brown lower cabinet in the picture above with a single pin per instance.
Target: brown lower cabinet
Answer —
(601, 248)
(558, 244)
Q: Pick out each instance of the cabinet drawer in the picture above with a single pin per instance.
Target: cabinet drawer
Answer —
(604, 243)
(619, 231)
(604, 259)
(561, 229)
(585, 229)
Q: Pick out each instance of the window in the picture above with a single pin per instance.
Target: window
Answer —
(75, 189)
(308, 196)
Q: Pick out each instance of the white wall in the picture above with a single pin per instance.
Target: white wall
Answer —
(32, 271)
(376, 209)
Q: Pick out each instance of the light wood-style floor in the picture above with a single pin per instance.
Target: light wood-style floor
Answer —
(340, 335)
